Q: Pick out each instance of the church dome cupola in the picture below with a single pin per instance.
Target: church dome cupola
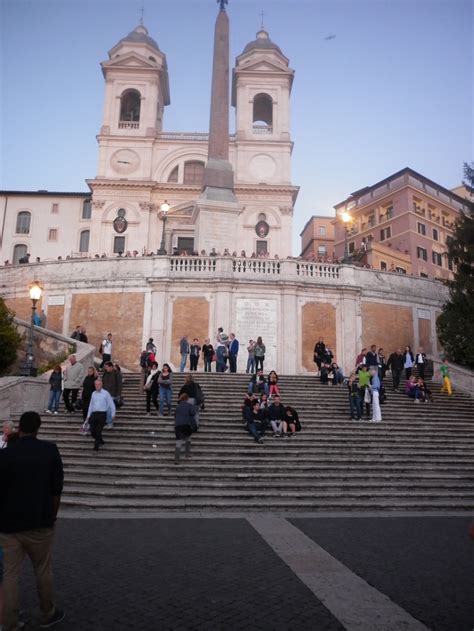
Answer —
(262, 41)
(139, 35)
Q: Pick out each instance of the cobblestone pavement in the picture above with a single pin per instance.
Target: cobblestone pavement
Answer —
(191, 573)
(424, 564)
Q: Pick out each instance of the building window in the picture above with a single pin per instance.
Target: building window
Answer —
(389, 212)
(421, 253)
(435, 234)
(437, 258)
(383, 266)
(130, 106)
(261, 247)
(55, 209)
(84, 241)
(400, 270)
(371, 221)
(450, 264)
(322, 231)
(19, 251)
(421, 229)
(119, 245)
(173, 176)
(185, 244)
(423, 275)
(87, 209)
(385, 233)
(23, 221)
(262, 113)
(351, 247)
(321, 250)
(193, 172)
(52, 234)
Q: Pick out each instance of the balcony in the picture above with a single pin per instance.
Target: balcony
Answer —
(129, 125)
(262, 129)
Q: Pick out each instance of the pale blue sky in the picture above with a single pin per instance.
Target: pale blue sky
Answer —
(394, 88)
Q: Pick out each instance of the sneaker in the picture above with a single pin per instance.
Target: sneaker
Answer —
(260, 441)
(109, 426)
(417, 400)
(55, 412)
(57, 616)
(48, 412)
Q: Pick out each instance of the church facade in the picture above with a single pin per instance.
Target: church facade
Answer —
(143, 168)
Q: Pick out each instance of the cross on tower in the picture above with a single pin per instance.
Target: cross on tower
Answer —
(261, 15)
(142, 11)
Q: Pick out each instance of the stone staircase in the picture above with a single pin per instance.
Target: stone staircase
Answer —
(421, 457)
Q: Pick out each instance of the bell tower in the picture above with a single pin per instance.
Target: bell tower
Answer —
(136, 93)
(261, 89)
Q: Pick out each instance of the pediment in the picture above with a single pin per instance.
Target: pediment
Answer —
(260, 65)
(129, 60)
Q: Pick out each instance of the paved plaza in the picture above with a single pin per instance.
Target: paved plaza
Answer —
(262, 572)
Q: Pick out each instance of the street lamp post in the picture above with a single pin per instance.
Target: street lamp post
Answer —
(164, 211)
(346, 219)
(29, 370)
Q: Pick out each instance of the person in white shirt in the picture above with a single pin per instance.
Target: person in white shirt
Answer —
(101, 412)
(106, 350)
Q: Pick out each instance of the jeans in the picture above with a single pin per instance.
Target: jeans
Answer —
(53, 403)
(233, 362)
(193, 362)
(37, 545)
(252, 428)
(182, 366)
(277, 426)
(250, 364)
(207, 365)
(165, 397)
(259, 362)
(356, 406)
(421, 370)
(105, 358)
(220, 360)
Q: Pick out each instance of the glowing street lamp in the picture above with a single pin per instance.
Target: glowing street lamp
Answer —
(28, 370)
(346, 220)
(164, 211)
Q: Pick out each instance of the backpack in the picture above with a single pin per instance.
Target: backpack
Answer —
(199, 395)
(144, 359)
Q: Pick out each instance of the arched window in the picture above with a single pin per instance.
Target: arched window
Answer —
(19, 251)
(193, 172)
(173, 177)
(129, 109)
(84, 241)
(23, 221)
(262, 113)
(87, 209)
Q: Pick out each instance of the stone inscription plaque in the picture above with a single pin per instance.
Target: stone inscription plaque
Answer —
(256, 317)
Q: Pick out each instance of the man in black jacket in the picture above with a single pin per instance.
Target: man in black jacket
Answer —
(32, 481)
(395, 364)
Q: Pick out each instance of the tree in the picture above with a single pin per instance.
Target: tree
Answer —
(456, 323)
(9, 338)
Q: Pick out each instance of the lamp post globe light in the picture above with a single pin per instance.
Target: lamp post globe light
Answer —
(28, 369)
(346, 220)
(164, 211)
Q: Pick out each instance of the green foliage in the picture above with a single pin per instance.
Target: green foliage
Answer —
(56, 361)
(9, 338)
(456, 323)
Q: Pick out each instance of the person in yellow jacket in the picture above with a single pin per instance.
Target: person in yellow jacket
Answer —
(444, 370)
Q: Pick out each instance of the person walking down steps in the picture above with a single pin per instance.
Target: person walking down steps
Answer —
(185, 425)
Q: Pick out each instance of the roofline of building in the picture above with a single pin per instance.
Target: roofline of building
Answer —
(407, 170)
(45, 193)
(315, 217)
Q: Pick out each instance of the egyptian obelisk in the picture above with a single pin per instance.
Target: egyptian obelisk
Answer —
(217, 208)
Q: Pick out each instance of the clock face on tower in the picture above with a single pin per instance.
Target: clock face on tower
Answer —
(125, 161)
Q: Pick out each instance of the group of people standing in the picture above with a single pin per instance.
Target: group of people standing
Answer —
(224, 352)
